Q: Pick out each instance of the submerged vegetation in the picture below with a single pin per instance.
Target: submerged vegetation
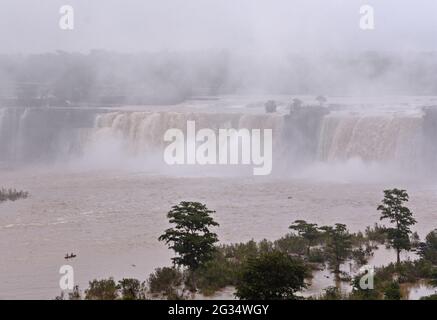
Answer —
(12, 195)
(281, 269)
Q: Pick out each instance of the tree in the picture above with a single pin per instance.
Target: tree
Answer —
(393, 291)
(105, 289)
(331, 293)
(308, 231)
(296, 105)
(271, 276)
(270, 106)
(165, 281)
(191, 238)
(393, 209)
(338, 245)
(428, 249)
(131, 289)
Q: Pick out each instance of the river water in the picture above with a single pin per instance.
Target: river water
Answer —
(98, 187)
(111, 219)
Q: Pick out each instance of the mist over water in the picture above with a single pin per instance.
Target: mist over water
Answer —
(347, 141)
(83, 114)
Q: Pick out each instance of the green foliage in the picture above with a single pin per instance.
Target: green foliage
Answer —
(359, 255)
(376, 234)
(338, 245)
(431, 297)
(393, 209)
(131, 289)
(388, 278)
(12, 195)
(317, 256)
(271, 276)
(240, 252)
(165, 281)
(191, 238)
(428, 249)
(223, 269)
(359, 293)
(308, 231)
(331, 293)
(216, 274)
(406, 271)
(393, 291)
(291, 244)
(433, 278)
(105, 289)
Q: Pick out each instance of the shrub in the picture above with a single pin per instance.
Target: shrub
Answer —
(376, 234)
(431, 297)
(105, 289)
(428, 249)
(131, 289)
(216, 274)
(292, 244)
(331, 293)
(393, 291)
(165, 281)
(270, 276)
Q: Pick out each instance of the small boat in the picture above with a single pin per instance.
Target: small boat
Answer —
(71, 256)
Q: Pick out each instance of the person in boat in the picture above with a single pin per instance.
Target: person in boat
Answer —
(72, 255)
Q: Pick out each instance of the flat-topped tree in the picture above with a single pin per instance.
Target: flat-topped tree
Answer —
(191, 238)
(338, 245)
(393, 209)
(308, 231)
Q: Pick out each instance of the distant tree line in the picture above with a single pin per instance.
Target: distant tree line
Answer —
(12, 194)
(169, 77)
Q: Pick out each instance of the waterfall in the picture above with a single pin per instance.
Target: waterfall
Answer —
(383, 138)
(40, 134)
(141, 132)
(403, 139)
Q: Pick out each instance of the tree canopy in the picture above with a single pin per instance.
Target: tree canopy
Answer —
(271, 276)
(191, 238)
(393, 209)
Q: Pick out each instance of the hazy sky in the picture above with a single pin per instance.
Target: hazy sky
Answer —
(239, 25)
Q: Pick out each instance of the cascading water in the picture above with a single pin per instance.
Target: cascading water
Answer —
(29, 135)
(402, 139)
(140, 132)
(382, 138)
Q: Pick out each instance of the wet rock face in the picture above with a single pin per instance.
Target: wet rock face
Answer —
(302, 131)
